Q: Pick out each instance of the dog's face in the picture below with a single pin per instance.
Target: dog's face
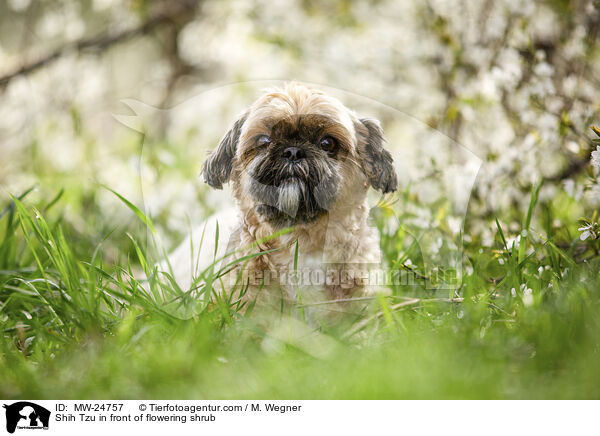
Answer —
(297, 155)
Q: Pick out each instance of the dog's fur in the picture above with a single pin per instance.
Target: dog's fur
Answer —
(322, 196)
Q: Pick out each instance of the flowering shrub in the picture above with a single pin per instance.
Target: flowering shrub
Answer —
(590, 228)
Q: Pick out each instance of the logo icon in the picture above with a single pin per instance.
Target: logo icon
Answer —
(26, 415)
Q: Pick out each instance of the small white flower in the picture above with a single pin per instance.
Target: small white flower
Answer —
(588, 230)
(572, 189)
(573, 147)
(594, 193)
(513, 243)
(527, 295)
(596, 157)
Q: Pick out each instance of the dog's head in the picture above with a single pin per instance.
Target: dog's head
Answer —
(297, 154)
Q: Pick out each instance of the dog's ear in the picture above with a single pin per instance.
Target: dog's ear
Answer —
(377, 161)
(217, 168)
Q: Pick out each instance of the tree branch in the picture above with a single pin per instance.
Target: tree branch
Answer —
(103, 41)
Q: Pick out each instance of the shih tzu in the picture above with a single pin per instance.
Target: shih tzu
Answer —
(300, 164)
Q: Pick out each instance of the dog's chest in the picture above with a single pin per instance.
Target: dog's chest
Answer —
(316, 276)
(327, 260)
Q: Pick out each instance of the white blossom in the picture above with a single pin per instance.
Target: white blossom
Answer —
(596, 157)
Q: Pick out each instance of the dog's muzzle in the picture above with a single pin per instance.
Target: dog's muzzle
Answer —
(291, 190)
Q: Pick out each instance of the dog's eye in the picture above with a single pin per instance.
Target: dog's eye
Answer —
(328, 144)
(263, 140)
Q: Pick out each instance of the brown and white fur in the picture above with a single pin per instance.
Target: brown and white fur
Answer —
(321, 194)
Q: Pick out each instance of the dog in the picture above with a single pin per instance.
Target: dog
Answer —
(300, 165)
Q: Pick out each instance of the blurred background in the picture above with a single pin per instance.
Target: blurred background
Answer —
(481, 102)
(132, 94)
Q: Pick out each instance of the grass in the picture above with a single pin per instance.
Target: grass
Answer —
(77, 323)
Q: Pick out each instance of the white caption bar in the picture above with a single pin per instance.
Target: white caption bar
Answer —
(27, 417)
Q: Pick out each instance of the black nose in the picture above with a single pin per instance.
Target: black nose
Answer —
(293, 153)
